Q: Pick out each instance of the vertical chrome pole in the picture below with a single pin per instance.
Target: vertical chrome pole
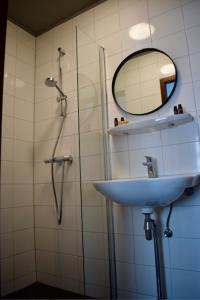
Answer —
(107, 168)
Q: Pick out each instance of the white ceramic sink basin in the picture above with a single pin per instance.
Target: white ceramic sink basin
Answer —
(147, 192)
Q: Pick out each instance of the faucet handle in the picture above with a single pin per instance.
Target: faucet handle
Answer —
(148, 158)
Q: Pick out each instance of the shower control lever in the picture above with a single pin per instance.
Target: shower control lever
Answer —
(59, 159)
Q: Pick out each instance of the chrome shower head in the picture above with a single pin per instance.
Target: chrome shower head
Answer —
(61, 51)
(50, 82)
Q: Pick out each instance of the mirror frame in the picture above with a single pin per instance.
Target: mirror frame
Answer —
(125, 61)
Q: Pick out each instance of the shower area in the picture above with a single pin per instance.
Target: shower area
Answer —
(56, 229)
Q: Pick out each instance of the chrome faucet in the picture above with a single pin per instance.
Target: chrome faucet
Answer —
(151, 167)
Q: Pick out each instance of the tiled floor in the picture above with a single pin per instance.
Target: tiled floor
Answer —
(42, 291)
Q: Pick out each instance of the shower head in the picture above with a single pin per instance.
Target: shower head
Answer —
(61, 51)
(51, 82)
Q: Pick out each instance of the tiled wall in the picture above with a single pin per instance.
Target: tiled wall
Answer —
(17, 233)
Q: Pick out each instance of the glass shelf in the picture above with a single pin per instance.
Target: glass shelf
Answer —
(152, 124)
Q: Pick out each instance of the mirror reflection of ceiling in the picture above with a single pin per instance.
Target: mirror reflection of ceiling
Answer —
(145, 82)
(38, 16)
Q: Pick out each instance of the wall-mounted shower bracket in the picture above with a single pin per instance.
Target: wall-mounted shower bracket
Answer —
(59, 160)
(61, 98)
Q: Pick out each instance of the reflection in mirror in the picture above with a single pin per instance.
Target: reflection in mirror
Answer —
(144, 81)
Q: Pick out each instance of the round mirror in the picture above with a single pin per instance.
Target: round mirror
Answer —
(144, 81)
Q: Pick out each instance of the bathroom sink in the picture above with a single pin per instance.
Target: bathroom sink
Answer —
(147, 192)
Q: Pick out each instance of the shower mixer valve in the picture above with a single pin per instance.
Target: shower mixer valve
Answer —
(60, 160)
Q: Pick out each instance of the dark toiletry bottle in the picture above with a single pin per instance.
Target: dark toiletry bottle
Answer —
(180, 109)
(122, 120)
(115, 122)
(175, 110)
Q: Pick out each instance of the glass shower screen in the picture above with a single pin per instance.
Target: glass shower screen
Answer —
(96, 244)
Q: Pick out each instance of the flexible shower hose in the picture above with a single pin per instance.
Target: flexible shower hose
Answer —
(58, 211)
(63, 115)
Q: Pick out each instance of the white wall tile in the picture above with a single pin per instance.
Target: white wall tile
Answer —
(46, 239)
(126, 276)
(6, 245)
(11, 44)
(20, 217)
(105, 9)
(23, 173)
(23, 241)
(112, 43)
(144, 251)
(123, 219)
(95, 245)
(184, 69)
(23, 110)
(144, 140)
(107, 26)
(136, 13)
(94, 219)
(195, 62)
(25, 53)
(41, 220)
(23, 195)
(157, 7)
(69, 242)
(24, 281)
(23, 151)
(181, 229)
(8, 105)
(24, 90)
(96, 273)
(25, 37)
(24, 264)
(6, 172)
(6, 220)
(185, 284)
(148, 283)
(10, 65)
(25, 72)
(162, 25)
(7, 149)
(190, 13)
(189, 258)
(124, 248)
(120, 165)
(174, 45)
(173, 163)
(193, 41)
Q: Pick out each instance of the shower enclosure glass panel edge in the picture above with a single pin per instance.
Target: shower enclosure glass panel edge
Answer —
(99, 281)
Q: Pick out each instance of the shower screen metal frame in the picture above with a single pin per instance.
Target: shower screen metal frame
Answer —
(3, 24)
(107, 171)
(108, 176)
